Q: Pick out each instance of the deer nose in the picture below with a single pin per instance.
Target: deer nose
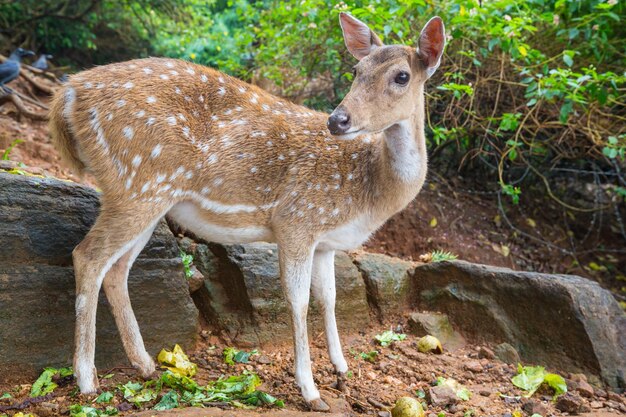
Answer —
(339, 121)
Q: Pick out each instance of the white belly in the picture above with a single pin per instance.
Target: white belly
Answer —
(188, 216)
(345, 237)
(348, 236)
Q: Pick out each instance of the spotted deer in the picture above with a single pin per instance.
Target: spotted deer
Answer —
(234, 164)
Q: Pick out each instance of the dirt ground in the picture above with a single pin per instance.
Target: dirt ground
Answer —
(398, 370)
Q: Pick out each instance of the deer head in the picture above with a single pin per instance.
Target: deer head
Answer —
(388, 79)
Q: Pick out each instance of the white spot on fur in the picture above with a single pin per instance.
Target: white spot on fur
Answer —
(212, 158)
(136, 160)
(128, 85)
(242, 90)
(150, 121)
(151, 100)
(145, 187)
(171, 120)
(164, 77)
(221, 91)
(156, 151)
(190, 71)
(147, 70)
(160, 178)
(254, 170)
(140, 113)
(204, 78)
(121, 103)
(128, 132)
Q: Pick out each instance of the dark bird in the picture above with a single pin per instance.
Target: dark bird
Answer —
(10, 69)
(42, 62)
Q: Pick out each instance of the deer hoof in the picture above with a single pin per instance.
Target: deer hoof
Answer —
(319, 405)
(341, 384)
(88, 384)
(146, 368)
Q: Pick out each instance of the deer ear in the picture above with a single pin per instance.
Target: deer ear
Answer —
(359, 38)
(431, 43)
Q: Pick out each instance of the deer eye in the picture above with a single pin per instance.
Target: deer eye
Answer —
(402, 78)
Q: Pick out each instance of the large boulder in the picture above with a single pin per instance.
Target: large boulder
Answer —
(388, 282)
(41, 221)
(242, 294)
(561, 321)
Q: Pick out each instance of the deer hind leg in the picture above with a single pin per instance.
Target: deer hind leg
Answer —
(295, 271)
(116, 289)
(324, 290)
(115, 232)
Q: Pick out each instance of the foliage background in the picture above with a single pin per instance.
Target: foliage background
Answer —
(529, 98)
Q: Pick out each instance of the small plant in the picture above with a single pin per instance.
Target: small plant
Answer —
(438, 256)
(232, 355)
(388, 337)
(187, 262)
(7, 152)
(530, 378)
(367, 356)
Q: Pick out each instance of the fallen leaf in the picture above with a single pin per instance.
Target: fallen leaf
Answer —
(531, 222)
(433, 222)
(177, 362)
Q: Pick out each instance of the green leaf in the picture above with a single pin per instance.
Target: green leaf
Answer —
(530, 378)
(566, 109)
(557, 383)
(388, 337)
(105, 397)
(5, 396)
(568, 60)
(168, 401)
(44, 384)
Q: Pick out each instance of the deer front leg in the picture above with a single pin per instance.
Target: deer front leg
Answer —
(324, 290)
(295, 271)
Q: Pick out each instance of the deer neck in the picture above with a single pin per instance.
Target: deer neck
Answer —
(403, 157)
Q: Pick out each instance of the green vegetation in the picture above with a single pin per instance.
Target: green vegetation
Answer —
(187, 260)
(530, 94)
(388, 337)
(7, 151)
(441, 256)
(232, 355)
(173, 389)
(530, 378)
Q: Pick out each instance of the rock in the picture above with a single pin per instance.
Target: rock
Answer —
(531, 407)
(582, 330)
(387, 281)
(569, 403)
(486, 353)
(441, 396)
(596, 404)
(613, 396)
(42, 220)
(438, 325)
(484, 392)
(473, 366)
(242, 295)
(585, 389)
(507, 354)
(264, 360)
